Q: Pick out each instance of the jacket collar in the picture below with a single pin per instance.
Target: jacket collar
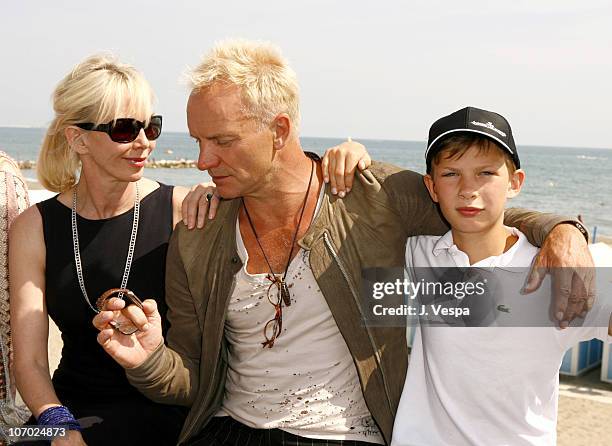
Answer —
(320, 222)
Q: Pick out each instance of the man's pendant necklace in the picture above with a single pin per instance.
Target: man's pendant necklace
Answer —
(281, 282)
(77, 252)
(284, 291)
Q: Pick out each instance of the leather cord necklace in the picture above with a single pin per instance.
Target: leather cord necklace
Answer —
(281, 283)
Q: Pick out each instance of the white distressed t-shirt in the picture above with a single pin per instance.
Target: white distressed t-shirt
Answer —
(307, 383)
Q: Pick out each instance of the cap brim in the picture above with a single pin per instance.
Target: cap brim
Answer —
(488, 135)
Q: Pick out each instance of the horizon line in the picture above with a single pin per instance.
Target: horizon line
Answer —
(33, 127)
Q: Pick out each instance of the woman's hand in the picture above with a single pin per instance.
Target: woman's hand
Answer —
(72, 438)
(200, 200)
(339, 164)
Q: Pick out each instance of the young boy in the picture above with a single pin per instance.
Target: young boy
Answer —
(480, 385)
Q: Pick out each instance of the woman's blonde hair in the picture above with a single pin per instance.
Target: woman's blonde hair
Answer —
(269, 86)
(100, 89)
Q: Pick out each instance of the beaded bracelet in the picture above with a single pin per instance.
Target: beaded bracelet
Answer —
(58, 416)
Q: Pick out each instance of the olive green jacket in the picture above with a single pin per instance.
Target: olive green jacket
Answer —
(367, 228)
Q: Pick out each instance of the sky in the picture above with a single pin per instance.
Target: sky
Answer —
(367, 69)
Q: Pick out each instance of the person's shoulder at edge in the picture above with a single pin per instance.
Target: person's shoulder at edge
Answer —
(8, 164)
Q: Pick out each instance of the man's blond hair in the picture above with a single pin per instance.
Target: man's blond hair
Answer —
(269, 86)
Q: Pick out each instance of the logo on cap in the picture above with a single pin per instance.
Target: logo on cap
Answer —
(489, 125)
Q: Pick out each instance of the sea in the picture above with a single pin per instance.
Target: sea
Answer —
(568, 181)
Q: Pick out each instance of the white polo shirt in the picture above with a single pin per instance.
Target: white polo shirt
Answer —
(484, 386)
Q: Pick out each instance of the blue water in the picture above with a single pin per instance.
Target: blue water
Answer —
(569, 181)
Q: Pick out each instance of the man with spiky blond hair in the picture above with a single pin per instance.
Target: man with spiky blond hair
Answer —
(267, 343)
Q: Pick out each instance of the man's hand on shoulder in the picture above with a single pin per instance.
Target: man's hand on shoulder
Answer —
(565, 255)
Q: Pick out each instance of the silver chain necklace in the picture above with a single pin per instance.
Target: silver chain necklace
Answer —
(77, 252)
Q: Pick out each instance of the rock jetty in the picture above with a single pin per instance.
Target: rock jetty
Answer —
(153, 164)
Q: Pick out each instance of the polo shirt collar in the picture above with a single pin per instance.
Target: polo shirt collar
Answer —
(446, 245)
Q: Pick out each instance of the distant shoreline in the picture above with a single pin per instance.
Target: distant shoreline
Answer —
(153, 164)
(337, 139)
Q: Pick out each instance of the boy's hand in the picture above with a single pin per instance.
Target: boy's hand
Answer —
(201, 199)
(339, 164)
(565, 255)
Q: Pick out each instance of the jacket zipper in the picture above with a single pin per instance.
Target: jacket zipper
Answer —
(356, 299)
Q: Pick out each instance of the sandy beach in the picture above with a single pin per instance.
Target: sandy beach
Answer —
(605, 239)
(585, 411)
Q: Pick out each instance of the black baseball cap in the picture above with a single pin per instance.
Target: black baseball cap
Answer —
(472, 120)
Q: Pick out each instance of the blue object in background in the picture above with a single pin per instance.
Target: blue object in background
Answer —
(606, 364)
(582, 358)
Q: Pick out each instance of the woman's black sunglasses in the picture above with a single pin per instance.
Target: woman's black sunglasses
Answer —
(126, 129)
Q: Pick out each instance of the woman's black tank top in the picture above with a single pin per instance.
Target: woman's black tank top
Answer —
(86, 370)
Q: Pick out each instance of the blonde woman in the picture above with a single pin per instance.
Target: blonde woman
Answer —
(108, 227)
